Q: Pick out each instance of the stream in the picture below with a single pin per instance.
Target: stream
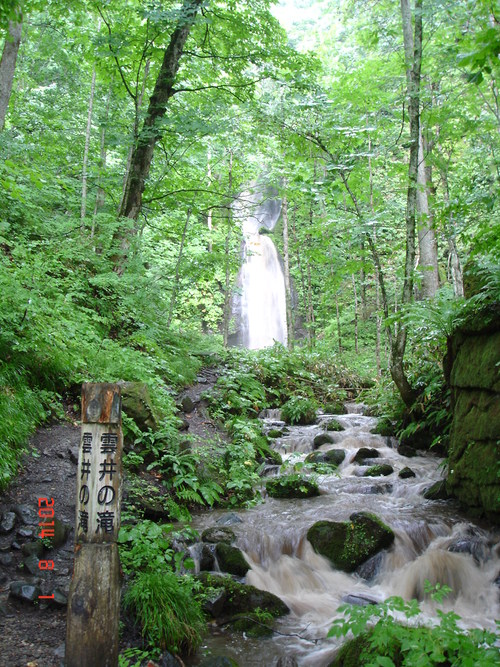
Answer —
(433, 542)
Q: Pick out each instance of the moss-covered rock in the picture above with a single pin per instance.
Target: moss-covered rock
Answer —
(406, 473)
(335, 408)
(231, 559)
(137, 404)
(275, 433)
(334, 425)
(382, 469)
(358, 652)
(291, 486)
(322, 439)
(216, 534)
(252, 625)
(437, 491)
(364, 453)
(242, 598)
(406, 450)
(347, 544)
(384, 427)
(334, 456)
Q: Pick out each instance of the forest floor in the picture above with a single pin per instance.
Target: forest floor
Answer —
(32, 634)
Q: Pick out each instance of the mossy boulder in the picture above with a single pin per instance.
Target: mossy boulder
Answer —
(241, 598)
(334, 425)
(335, 408)
(437, 491)
(322, 439)
(268, 455)
(137, 404)
(406, 450)
(384, 427)
(217, 534)
(379, 470)
(333, 457)
(275, 433)
(291, 486)
(406, 473)
(364, 453)
(348, 544)
(231, 559)
(252, 625)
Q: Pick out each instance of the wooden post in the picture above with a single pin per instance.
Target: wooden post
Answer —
(94, 595)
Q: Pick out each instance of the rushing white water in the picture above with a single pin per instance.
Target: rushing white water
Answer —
(261, 308)
(433, 543)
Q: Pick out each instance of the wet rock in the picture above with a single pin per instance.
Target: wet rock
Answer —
(379, 489)
(364, 453)
(6, 559)
(60, 598)
(370, 568)
(474, 546)
(7, 523)
(35, 548)
(348, 544)
(206, 558)
(437, 491)
(406, 473)
(218, 661)
(275, 433)
(213, 603)
(25, 533)
(25, 514)
(291, 486)
(359, 600)
(333, 457)
(229, 519)
(406, 450)
(252, 625)
(186, 404)
(286, 661)
(25, 591)
(383, 469)
(31, 564)
(217, 534)
(384, 427)
(231, 560)
(333, 425)
(242, 598)
(322, 439)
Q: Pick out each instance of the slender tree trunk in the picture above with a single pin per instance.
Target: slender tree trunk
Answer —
(88, 130)
(377, 279)
(8, 63)
(302, 275)
(227, 250)
(428, 262)
(339, 332)
(175, 287)
(455, 266)
(101, 195)
(286, 262)
(209, 215)
(356, 314)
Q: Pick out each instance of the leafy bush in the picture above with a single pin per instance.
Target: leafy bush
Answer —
(299, 410)
(169, 615)
(383, 641)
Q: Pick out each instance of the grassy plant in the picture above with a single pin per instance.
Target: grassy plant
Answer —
(169, 616)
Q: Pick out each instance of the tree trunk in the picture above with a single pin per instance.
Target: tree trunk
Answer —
(286, 263)
(151, 130)
(175, 286)
(455, 267)
(428, 262)
(227, 250)
(8, 64)
(356, 314)
(339, 332)
(302, 275)
(100, 195)
(88, 130)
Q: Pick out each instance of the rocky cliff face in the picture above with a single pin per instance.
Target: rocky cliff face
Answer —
(474, 376)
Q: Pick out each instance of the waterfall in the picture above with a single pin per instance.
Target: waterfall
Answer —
(260, 308)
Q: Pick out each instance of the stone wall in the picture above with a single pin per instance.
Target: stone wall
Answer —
(473, 365)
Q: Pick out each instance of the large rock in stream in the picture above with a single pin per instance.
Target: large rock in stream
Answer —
(348, 544)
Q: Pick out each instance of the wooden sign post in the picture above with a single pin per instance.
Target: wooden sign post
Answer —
(94, 595)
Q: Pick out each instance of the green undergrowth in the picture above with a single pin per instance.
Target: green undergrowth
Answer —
(391, 634)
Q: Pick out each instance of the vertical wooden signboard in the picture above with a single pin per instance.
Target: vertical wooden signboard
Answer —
(94, 596)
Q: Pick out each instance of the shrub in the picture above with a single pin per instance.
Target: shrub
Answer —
(169, 616)
(299, 410)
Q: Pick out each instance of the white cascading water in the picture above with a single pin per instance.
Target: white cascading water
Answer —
(261, 312)
(433, 543)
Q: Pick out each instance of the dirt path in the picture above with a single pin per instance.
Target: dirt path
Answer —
(32, 634)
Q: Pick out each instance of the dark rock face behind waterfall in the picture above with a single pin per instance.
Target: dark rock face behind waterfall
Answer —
(474, 376)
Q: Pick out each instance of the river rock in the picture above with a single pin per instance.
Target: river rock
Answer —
(286, 661)
(217, 534)
(186, 404)
(231, 559)
(206, 557)
(333, 425)
(474, 545)
(25, 591)
(371, 567)
(242, 598)
(25, 514)
(333, 457)
(406, 473)
(252, 625)
(359, 600)
(364, 453)
(7, 523)
(406, 450)
(437, 491)
(31, 564)
(347, 544)
(33, 548)
(229, 519)
(291, 486)
(379, 470)
(384, 427)
(274, 433)
(322, 439)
